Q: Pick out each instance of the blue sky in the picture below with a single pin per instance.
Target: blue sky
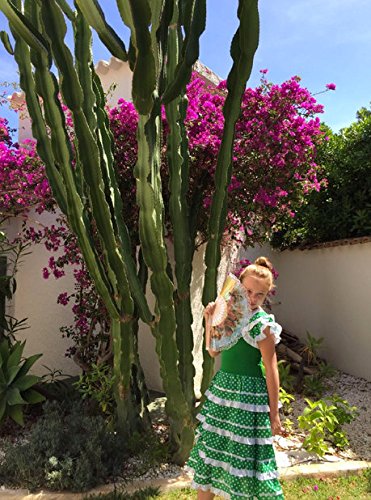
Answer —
(322, 41)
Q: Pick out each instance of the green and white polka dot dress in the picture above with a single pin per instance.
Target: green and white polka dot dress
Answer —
(233, 455)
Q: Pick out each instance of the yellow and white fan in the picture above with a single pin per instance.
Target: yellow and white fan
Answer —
(221, 305)
(231, 310)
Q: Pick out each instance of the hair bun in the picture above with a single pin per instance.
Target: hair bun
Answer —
(264, 262)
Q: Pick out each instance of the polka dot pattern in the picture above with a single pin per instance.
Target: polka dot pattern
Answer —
(233, 454)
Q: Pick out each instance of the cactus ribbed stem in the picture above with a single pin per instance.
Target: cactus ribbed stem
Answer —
(193, 18)
(179, 171)
(87, 144)
(244, 45)
(94, 15)
(121, 229)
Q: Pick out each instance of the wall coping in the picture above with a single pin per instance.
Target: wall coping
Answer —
(329, 244)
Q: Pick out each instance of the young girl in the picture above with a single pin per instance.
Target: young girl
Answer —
(233, 455)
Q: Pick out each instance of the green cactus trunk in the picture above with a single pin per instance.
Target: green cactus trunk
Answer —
(244, 45)
(155, 256)
(177, 151)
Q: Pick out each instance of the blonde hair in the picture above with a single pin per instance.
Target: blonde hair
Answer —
(261, 268)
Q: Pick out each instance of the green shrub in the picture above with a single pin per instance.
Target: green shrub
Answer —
(143, 494)
(66, 450)
(310, 350)
(97, 384)
(287, 380)
(343, 210)
(323, 420)
(314, 386)
(286, 399)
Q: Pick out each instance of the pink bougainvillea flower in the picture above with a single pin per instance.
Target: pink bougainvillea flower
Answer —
(331, 86)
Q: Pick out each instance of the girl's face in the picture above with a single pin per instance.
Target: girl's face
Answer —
(256, 290)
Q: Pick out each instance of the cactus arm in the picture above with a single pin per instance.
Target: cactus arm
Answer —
(193, 18)
(84, 59)
(143, 88)
(157, 7)
(66, 9)
(121, 326)
(54, 152)
(94, 15)
(155, 256)
(27, 84)
(87, 143)
(178, 182)
(243, 48)
(160, 35)
(125, 13)
(123, 357)
(156, 16)
(149, 199)
(4, 37)
(23, 26)
(123, 233)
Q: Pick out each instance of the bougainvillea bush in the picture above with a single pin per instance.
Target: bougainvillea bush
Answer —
(23, 183)
(274, 169)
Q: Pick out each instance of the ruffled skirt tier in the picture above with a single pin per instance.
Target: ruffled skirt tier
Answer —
(233, 455)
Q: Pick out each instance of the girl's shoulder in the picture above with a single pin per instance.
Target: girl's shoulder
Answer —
(257, 323)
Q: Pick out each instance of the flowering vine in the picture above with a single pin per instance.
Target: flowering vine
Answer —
(274, 169)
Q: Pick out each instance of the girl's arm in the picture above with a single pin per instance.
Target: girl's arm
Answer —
(268, 351)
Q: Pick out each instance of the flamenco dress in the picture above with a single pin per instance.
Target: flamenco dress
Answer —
(233, 455)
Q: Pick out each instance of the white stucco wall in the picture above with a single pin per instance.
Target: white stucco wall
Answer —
(36, 299)
(327, 292)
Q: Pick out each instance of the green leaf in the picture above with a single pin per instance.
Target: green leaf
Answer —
(14, 397)
(33, 397)
(2, 407)
(4, 350)
(16, 413)
(28, 363)
(15, 354)
(12, 373)
(26, 381)
(316, 414)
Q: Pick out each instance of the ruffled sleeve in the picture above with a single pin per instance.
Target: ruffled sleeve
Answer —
(253, 332)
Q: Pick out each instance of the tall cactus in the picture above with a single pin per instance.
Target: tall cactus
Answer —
(244, 45)
(83, 178)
